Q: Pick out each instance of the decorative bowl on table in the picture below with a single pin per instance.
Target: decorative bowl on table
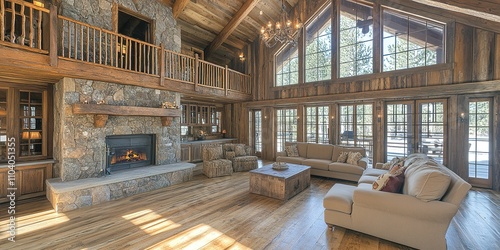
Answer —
(280, 165)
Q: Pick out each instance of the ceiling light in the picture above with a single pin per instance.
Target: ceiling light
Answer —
(283, 31)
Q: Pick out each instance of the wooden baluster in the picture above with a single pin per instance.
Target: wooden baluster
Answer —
(106, 48)
(31, 35)
(226, 80)
(196, 72)
(39, 28)
(23, 25)
(13, 24)
(162, 64)
(53, 33)
(129, 55)
(100, 47)
(82, 51)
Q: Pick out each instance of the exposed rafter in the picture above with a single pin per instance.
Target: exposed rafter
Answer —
(471, 7)
(231, 26)
(178, 7)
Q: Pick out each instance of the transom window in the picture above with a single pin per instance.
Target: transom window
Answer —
(317, 124)
(355, 39)
(410, 41)
(287, 127)
(287, 67)
(319, 48)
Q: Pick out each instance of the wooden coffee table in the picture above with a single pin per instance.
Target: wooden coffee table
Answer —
(280, 184)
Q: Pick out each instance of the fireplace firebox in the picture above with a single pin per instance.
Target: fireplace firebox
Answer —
(130, 151)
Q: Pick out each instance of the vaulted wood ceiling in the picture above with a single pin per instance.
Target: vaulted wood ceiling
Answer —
(223, 28)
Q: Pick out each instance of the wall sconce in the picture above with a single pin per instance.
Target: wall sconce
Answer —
(379, 117)
(242, 57)
(265, 117)
(333, 117)
(38, 3)
(462, 117)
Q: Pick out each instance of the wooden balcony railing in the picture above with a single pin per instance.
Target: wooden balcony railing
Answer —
(21, 26)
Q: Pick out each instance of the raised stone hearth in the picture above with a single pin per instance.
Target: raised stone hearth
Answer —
(70, 195)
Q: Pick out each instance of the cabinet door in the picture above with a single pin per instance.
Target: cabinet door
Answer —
(185, 152)
(196, 153)
(29, 180)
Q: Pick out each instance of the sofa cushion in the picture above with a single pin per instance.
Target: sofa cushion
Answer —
(388, 165)
(339, 198)
(345, 168)
(343, 157)
(293, 160)
(353, 158)
(239, 149)
(319, 151)
(317, 163)
(428, 184)
(212, 153)
(302, 148)
(374, 172)
(292, 150)
(370, 179)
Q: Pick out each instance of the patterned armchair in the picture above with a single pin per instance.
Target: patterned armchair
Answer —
(214, 164)
(241, 157)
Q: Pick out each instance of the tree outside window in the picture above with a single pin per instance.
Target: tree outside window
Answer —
(410, 42)
(317, 124)
(287, 127)
(318, 52)
(355, 39)
(287, 66)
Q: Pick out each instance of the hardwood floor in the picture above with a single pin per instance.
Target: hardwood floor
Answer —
(220, 213)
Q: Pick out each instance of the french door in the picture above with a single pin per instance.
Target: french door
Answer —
(416, 126)
(480, 142)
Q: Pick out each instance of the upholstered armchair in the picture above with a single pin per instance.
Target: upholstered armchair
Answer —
(214, 164)
(241, 157)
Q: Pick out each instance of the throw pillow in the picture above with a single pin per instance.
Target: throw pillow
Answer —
(391, 181)
(428, 184)
(388, 165)
(353, 158)
(240, 150)
(292, 150)
(343, 157)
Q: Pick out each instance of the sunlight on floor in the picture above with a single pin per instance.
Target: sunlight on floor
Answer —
(200, 236)
(37, 221)
(151, 222)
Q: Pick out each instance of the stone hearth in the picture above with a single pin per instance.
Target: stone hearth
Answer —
(70, 195)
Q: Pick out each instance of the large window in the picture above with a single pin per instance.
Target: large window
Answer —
(318, 52)
(287, 127)
(317, 124)
(287, 66)
(257, 130)
(355, 39)
(410, 42)
(356, 126)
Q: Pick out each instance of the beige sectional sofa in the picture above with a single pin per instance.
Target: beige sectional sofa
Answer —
(322, 158)
(417, 217)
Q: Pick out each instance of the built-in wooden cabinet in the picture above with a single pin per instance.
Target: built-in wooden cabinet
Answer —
(196, 153)
(192, 152)
(29, 181)
(185, 152)
(198, 114)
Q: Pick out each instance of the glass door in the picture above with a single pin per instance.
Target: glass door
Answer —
(480, 142)
(416, 127)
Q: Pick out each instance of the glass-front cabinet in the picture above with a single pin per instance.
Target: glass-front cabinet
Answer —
(31, 123)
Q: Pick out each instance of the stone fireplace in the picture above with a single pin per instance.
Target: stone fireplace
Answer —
(129, 151)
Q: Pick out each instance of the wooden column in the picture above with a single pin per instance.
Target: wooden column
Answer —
(53, 31)
(301, 118)
(495, 171)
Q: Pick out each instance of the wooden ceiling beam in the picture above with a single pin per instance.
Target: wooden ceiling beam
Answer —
(231, 26)
(485, 6)
(178, 7)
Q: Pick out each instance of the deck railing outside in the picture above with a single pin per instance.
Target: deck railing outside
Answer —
(82, 42)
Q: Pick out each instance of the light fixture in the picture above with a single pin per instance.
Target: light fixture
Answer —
(31, 135)
(242, 57)
(462, 117)
(38, 3)
(282, 31)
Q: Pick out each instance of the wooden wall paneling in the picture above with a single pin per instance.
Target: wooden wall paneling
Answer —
(483, 55)
(496, 146)
(379, 129)
(458, 145)
(496, 72)
(333, 123)
(268, 138)
(229, 121)
(463, 53)
(301, 120)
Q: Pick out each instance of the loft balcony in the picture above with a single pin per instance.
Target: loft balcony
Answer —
(38, 45)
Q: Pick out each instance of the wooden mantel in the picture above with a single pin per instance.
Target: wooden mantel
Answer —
(102, 111)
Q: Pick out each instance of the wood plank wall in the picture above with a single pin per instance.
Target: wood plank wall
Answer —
(473, 56)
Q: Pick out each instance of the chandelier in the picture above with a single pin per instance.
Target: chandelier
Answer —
(282, 31)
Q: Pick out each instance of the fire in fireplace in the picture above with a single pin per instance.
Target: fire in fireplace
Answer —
(129, 151)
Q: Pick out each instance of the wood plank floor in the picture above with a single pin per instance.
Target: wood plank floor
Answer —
(220, 213)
